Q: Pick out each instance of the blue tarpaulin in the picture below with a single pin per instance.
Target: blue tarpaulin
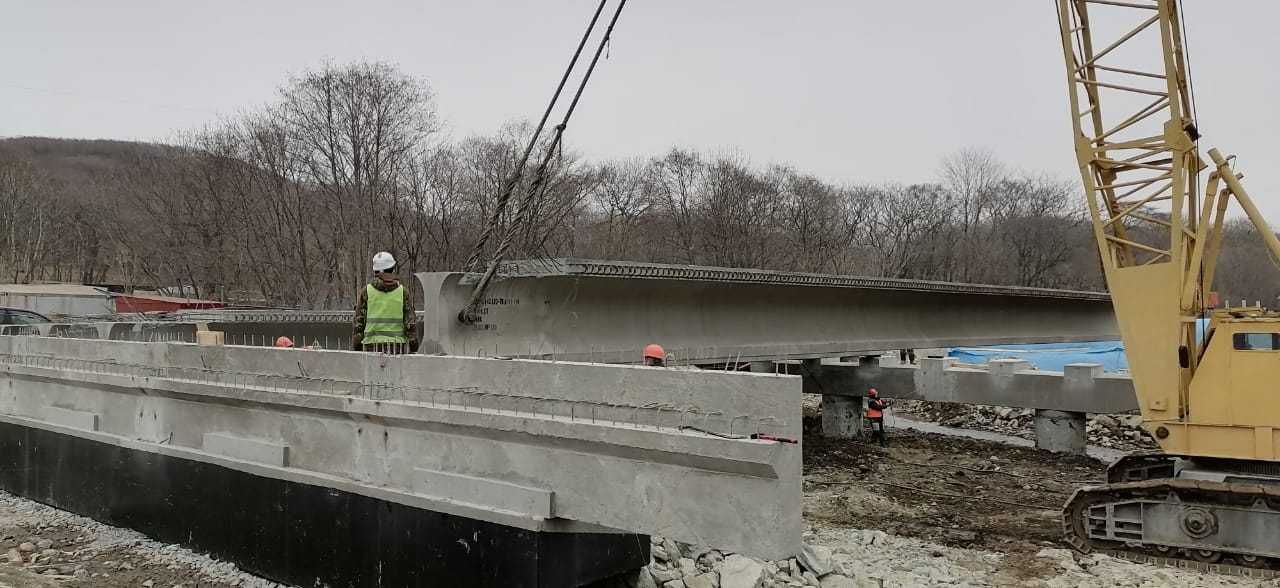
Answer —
(1053, 356)
(1049, 356)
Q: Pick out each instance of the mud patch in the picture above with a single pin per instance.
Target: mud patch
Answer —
(957, 492)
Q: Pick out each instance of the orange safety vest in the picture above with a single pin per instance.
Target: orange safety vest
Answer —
(874, 413)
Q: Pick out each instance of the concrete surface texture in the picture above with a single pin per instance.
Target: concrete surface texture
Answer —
(607, 311)
(1060, 432)
(533, 444)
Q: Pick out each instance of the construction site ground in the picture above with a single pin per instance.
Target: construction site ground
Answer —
(953, 491)
(926, 510)
(970, 498)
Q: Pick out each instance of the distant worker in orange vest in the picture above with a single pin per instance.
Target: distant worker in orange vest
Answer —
(655, 356)
(875, 414)
(287, 343)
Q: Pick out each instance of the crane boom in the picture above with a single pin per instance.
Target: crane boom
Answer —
(1139, 162)
(1208, 399)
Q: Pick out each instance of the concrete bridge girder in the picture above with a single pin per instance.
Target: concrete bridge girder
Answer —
(546, 446)
(607, 311)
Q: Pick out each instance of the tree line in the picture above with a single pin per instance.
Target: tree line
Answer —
(285, 205)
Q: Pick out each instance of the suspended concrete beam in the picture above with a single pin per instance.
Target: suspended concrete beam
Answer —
(607, 311)
(504, 457)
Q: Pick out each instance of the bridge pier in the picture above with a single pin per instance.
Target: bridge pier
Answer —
(841, 416)
(841, 413)
(1060, 399)
(1060, 431)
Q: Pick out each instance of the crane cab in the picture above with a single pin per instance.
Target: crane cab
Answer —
(1232, 405)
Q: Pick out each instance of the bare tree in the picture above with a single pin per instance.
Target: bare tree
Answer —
(358, 129)
(622, 202)
(26, 207)
(1246, 271)
(285, 205)
(738, 215)
(907, 229)
(1035, 231)
(970, 178)
(816, 230)
(677, 182)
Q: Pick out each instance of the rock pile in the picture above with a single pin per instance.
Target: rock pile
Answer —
(1122, 432)
(680, 565)
(39, 555)
(853, 558)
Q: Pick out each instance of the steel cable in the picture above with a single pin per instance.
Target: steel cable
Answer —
(509, 185)
(467, 315)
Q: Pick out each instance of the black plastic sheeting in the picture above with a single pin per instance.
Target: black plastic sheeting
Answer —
(294, 533)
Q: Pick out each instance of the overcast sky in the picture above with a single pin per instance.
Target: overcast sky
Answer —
(850, 90)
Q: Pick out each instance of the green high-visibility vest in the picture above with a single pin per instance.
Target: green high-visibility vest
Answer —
(384, 316)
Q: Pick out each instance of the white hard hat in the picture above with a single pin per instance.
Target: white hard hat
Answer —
(383, 261)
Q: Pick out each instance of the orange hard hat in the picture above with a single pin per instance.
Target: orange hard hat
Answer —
(654, 351)
(872, 392)
(284, 342)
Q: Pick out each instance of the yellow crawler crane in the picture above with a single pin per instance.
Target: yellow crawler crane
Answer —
(1212, 402)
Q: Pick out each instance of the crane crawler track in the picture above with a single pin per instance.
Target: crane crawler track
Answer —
(1201, 493)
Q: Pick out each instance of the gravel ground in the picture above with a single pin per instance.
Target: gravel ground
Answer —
(929, 510)
(48, 547)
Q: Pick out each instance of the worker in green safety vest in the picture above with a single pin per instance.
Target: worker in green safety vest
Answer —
(385, 320)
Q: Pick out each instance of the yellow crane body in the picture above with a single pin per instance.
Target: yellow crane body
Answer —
(1212, 494)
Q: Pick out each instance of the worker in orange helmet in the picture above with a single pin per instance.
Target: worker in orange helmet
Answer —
(654, 356)
(875, 414)
(284, 342)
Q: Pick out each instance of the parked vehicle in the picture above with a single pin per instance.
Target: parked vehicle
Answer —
(18, 321)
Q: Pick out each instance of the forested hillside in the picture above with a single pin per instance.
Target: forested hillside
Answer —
(287, 204)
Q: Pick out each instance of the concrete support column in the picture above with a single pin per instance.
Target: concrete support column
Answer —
(841, 416)
(1056, 431)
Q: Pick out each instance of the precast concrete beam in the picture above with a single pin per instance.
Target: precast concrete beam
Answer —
(330, 329)
(1081, 388)
(605, 311)
(335, 335)
(539, 445)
